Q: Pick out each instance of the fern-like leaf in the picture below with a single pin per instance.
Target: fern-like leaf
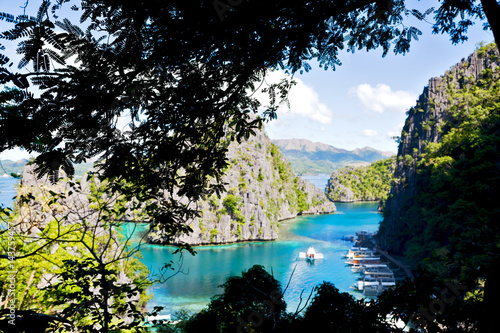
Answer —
(4, 59)
(42, 10)
(7, 17)
(55, 56)
(50, 162)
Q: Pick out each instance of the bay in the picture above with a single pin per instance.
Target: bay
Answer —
(202, 274)
(7, 190)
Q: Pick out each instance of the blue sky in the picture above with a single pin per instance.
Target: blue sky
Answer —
(363, 102)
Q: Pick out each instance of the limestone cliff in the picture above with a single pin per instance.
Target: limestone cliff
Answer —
(427, 123)
(261, 189)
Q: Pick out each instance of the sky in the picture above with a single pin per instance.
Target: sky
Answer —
(362, 102)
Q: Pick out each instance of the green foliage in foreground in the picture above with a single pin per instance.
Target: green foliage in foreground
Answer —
(80, 274)
(368, 183)
(253, 302)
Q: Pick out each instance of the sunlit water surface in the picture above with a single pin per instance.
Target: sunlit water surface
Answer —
(202, 274)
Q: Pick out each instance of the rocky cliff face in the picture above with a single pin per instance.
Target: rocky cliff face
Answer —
(262, 190)
(426, 123)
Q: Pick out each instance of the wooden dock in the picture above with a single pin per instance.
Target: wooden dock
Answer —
(396, 262)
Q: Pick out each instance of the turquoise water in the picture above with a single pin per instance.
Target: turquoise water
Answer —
(203, 273)
(7, 190)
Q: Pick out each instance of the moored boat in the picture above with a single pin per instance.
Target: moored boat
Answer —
(311, 254)
(358, 252)
(364, 260)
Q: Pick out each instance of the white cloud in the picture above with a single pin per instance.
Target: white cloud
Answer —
(15, 154)
(304, 101)
(370, 133)
(381, 97)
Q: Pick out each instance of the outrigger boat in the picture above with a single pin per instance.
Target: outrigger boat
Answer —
(367, 267)
(375, 277)
(363, 260)
(311, 254)
(359, 252)
(373, 287)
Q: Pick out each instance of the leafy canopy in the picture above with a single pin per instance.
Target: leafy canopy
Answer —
(176, 73)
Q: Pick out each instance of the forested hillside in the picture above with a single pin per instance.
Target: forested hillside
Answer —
(444, 204)
(369, 183)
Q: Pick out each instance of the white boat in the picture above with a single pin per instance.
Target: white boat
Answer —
(367, 267)
(311, 254)
(380, 284)
(359, 253)
(364, 260)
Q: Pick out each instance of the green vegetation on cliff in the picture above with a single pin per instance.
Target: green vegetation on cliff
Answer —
(454, 214)
(368, 183)
(261, 190)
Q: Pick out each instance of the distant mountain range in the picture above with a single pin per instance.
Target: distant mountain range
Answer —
(7, 166)
(306, 157)
(309, 157)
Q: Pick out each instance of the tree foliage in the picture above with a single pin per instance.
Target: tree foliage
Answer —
(424, 304)
(251, 301)
(368, 183)
(68, 263)
(176, 73)
(450, 224)
(454, 215)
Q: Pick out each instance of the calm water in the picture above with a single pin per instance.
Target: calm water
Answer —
(7, 190)
(211, 266)
(203, 273)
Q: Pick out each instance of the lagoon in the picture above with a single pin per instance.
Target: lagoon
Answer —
(203, 273)
(7, 190)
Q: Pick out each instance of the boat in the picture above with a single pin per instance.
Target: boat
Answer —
(364, 260)
(363, 252)
(373, 287)
(311, 254)
(380, 273)
(374, 279)
(368, 267)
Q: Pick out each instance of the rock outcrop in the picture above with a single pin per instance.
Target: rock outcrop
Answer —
(428, 122)
(262, 190)
(370, 183)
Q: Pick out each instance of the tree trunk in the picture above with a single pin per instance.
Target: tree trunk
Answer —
(489, 320)
(491, 9)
